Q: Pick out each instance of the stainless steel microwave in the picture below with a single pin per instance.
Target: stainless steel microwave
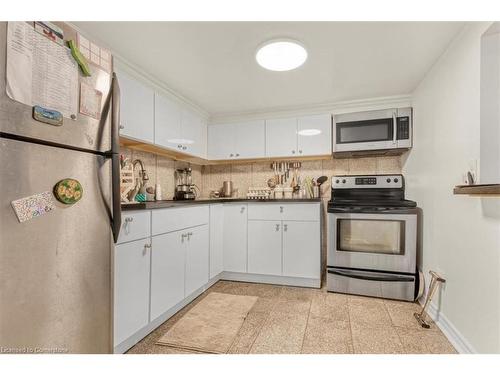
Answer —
(373, 132)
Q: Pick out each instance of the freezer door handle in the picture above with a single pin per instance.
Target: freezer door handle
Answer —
(372, 277)
(115, 158)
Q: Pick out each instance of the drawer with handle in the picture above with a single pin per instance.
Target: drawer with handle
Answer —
(171, 219)
(135, 225)
(284, 211)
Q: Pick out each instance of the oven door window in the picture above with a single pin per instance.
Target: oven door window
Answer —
(365, 131)
(371, 236)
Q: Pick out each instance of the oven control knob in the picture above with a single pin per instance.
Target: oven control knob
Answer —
(396, 180)
(337, 181)
(389, 180)
(343, 181)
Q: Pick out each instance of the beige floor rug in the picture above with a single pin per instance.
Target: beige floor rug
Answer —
(212, 325)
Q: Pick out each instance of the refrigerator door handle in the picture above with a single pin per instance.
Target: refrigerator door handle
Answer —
(116, 220)
(379, 277)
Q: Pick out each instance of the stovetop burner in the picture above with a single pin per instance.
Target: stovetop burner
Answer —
(368, 193)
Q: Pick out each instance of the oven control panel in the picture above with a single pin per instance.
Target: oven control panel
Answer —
(367, 182)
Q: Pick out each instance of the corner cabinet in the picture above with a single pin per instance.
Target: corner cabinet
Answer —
(178, 128)
(136, 109)
(273, 242)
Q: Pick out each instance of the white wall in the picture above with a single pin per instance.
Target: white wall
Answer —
(459, 239)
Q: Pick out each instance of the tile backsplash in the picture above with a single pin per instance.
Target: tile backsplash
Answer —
(256, 174)
(244, 175)
(161, 170)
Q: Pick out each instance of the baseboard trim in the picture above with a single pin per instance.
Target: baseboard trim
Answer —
(270, 279)
(459, 342)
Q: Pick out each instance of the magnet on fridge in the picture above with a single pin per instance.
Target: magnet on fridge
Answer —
(48, 116)
(33, 206)
(68, 191)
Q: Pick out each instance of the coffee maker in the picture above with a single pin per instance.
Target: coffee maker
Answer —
(184, 187)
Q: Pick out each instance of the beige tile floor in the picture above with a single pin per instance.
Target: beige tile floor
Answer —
(293, 320)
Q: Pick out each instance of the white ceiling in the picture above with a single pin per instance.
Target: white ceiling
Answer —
(213, 63)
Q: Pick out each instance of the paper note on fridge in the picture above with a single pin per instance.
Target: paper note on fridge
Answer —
(40, 71)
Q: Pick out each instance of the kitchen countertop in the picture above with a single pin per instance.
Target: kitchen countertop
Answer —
(172, 203)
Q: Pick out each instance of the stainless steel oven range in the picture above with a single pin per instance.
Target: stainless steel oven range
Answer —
(372, 235)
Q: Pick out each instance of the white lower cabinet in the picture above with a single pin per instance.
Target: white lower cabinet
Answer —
(167, 272)
(185, 247)
(197, 267)
(264, 247)
(301, 249)
(235, 237)
(216, 239)
(131, 288)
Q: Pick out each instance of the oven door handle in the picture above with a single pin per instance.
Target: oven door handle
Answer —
(380, 277)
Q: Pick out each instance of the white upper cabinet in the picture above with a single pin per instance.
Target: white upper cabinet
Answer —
(281, 137)
(194, 134)
(250, 140)
(220, 141)
(314, 135)
(244, 140)
(178, 128)
(167, 123)
(136, 109)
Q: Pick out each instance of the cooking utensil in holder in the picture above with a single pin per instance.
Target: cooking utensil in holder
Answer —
(421, 316)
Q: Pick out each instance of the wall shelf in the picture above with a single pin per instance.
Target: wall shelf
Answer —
(483, 190)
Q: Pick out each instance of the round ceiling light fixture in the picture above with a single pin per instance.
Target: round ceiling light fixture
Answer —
(280, 55)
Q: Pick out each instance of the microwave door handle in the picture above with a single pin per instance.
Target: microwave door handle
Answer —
(380, 277)
(394, 127)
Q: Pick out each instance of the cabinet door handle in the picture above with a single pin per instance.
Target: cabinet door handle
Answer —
(126, 226)
(189, 235)
(300, 151)
(285, 227)
(281, 209)
(122, 126)
(183, 235)
(293, 151)
(277, 227)
(242, 209)
(146, 247)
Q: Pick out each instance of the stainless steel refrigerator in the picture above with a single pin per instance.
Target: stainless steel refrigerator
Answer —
(56, 269)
